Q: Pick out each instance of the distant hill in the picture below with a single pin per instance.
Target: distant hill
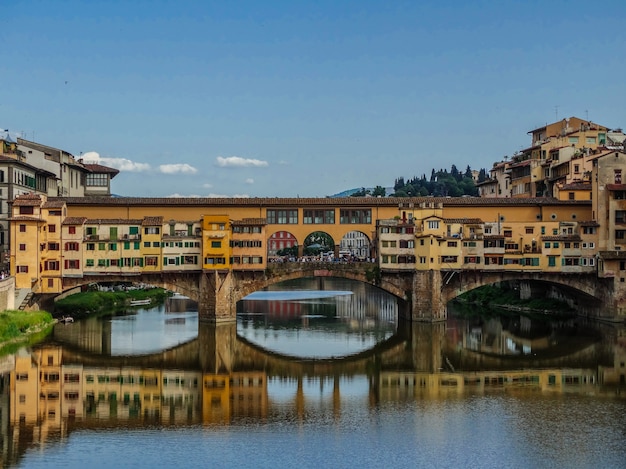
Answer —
(349, 192)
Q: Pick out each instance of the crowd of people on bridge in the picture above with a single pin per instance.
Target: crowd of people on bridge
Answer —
(346, 259)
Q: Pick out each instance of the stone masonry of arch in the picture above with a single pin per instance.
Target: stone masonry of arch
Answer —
(594, 293)
(360, 271)
(428, 292)
(186, 283)
(217, 293)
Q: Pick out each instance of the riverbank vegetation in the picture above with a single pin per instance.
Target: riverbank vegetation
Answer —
(85, 303)
(17, 324)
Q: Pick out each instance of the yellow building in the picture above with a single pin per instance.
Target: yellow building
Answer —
(574, 191)
(72, 235)
(109, 246)
(249, 249)
(216, 250)
(152, 233)
(396, 244)
(560, 154)
(27, 240)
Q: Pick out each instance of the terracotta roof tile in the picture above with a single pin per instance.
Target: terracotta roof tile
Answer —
(249, 221)
(561, 238)
(112, 221)
(98, 168)
(577, 186)
(74, 221)
(152, 221)
(27, 200)
(465, 221)
(22, 218)
(275, 202)
(54, 204)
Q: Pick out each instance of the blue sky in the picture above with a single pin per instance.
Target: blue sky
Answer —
(272, 98)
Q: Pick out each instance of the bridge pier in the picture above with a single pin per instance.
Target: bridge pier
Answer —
(216, 345)
(427, 342)
(216, 302)
(427, 303)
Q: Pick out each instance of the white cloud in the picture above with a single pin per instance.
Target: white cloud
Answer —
(249, 181)
(183, 168)
(239, 162)
(122, 164)
(207, 185)
(223, 196)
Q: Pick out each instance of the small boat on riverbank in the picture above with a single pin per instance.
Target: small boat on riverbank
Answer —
(145, 302)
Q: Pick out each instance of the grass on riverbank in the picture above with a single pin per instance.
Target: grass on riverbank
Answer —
(97, 301)
(14, 324)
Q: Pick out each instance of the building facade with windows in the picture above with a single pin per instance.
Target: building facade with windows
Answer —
(216, 250)
(561, 153)
(248, 244)
(57, 240)
(28, 167)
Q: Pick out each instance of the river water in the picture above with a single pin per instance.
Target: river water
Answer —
(317, 373)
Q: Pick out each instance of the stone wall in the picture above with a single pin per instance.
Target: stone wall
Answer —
(7, 293)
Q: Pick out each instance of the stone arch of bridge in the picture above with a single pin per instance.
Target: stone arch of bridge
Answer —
(360, 271)
(585, 287)
(187, 284)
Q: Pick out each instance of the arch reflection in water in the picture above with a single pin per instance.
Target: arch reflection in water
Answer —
(138, 331)
(52, 390)
(318, 317)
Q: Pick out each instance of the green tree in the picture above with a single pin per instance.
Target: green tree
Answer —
(379, 191)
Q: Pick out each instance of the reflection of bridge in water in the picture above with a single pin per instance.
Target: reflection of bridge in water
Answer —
(71, 382)
(428, 348)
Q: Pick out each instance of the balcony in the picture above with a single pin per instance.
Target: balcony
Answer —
(130, 237)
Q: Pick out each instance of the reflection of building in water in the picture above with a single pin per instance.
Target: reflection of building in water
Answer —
(396, 385)
(180, 304)
(368, 303)
(364, 302)
(238, 394)
(492, 337)
(617, 373)
(92, 336)
(45, 392)
(276, 309)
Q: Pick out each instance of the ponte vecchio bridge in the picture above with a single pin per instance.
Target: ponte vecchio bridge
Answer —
(425, 251)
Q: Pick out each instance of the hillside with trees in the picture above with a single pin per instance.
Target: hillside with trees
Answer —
(440, 184)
